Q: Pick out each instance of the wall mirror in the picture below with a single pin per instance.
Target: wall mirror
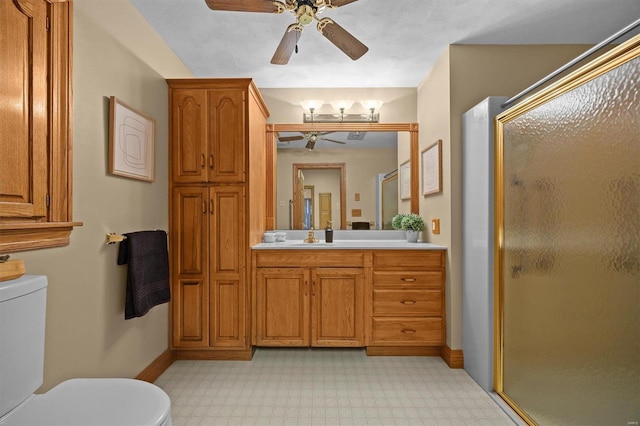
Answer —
(351, 168)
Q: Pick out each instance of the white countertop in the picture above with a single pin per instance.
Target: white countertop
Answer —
(395, 244)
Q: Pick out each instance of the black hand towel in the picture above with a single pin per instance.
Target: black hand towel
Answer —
(148, 275)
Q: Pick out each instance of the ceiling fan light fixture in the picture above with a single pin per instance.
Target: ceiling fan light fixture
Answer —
(305, 14)
(310, 144)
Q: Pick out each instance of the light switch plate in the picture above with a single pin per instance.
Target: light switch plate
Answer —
(435, 226)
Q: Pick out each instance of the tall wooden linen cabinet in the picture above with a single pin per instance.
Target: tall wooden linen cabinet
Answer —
(217, 212)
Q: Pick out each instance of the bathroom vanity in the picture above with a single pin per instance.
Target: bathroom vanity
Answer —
(386, 295)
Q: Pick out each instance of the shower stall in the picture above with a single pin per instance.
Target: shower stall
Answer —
(567, 235)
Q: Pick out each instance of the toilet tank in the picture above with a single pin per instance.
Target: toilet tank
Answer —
(22, 318)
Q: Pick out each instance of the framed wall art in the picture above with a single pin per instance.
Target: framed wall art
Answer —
(432, 169)
(132, 142)
(405, 180)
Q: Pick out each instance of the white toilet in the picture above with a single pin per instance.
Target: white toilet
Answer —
(76, 402)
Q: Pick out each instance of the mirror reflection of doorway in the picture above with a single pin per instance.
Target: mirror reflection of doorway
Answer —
(389, 199)
(324, 201)
(307, 207)
(330, 178)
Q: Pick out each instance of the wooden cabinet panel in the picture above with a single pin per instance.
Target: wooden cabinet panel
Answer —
(430, 279)
(226, 211)
(227, 322)
(188, 136)
(226, 126)
(407, 331)
(190, 309)
(407, 302)
(337, 307)
(190, 222)
(282, 307)
(23, 110)
(309, 258)
(419, 259)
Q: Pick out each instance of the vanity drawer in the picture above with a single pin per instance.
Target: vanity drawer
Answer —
(407, 331)
(430, 279)
(422, 259)
(407, 302)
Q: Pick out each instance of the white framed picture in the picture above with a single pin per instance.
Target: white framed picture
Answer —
(432, 169)
(132, 142)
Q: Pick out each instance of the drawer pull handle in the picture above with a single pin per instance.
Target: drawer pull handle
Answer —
(408, 280)
(408, 302)
(408, 331)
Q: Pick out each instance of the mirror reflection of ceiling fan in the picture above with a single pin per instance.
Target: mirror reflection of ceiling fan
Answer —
(312, 137)
(305, 11)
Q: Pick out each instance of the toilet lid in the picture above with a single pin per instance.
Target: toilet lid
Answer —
(96, 402)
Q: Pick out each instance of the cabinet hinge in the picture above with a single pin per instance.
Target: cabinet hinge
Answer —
(47, 24)
(47, 200)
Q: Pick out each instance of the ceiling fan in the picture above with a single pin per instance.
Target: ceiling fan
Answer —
(305, 11)
(312, 137)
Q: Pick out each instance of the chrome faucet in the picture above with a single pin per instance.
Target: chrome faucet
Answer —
(311, 238)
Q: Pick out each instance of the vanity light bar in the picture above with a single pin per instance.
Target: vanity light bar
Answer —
(340, 118)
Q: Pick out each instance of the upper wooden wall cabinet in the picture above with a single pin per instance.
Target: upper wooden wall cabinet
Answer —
(35, 124)
(204, 148)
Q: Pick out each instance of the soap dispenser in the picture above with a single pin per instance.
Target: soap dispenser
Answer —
(328, 233)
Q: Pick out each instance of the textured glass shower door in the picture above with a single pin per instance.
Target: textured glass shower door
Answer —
(568, 248)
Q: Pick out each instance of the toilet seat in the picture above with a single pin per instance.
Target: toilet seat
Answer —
(95, 402)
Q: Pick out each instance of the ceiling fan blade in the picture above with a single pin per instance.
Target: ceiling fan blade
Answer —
(287, 44)
(338, 3)
(266, 6)
(334, 141)
(343, 40)
(290, 138)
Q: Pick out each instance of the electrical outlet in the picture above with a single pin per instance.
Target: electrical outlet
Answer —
(281, 203)
(435, 226)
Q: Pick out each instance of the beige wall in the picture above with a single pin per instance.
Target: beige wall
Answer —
(463, 76)
(115, 54)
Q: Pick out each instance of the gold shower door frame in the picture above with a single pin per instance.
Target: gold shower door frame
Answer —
(603, 64)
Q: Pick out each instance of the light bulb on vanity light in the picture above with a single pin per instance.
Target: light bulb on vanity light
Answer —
(310, 105)
(371, 104)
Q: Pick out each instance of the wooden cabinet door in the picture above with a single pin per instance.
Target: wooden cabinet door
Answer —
(190, 266)
(227, 266)
(23, 109)
(337, 307)
(282, 307)
(189, 152)
(227, 135)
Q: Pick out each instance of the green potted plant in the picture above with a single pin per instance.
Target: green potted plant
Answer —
(396, 222)
(413, 224)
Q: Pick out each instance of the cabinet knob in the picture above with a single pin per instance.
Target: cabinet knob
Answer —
(211, 161)
(202, 161)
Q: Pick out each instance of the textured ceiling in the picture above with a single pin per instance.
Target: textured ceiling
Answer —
(405, 37)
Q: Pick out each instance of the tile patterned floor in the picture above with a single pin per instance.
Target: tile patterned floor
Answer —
(326, 387)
